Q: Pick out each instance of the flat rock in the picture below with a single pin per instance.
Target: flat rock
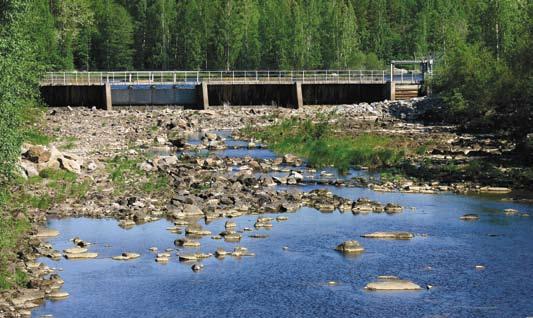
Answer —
(188, 257)
(470, 217)
(126, 256)
(495, 189)
(185, 242)
(58, 295)
(80, 255)
(510, 212)
(126, 223)
(75, 250)
(47, 233)
(161, 259)
(392, 283)
(390, 235)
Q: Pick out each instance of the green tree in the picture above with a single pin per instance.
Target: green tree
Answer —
(250, 50)
(72, 16)
(138, 11)
(274, 26)
(229, 25)
(190, 51)
(113, 40)
(158, 49)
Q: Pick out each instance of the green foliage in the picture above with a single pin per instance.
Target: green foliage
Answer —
(19, 71)
(485, 81)
(10, 232)
(321, 146)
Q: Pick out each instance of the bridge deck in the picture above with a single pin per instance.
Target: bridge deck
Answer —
(230, 77)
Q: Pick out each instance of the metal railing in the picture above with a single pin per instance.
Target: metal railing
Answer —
(227, 77)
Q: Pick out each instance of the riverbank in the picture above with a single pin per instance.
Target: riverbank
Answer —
(121, 165)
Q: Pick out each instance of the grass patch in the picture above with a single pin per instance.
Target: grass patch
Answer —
(11, 230)
(61, 184)
(37, 138)
(49, 188)
(127, 176)
(322, 146)
(68, 143)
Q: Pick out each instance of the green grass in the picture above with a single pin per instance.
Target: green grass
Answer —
(321, 146)
(68, 143)
(37, 138)
(128, 177)
(11, 231)
(49, 188)
(61, 185)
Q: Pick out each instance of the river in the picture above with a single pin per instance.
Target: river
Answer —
(289, 275)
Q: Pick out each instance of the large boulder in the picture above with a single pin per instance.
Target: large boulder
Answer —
(72, 163)
(350, 247)
(38, 154)
(192, 210)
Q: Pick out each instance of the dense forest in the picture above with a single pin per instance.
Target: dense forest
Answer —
(251, 34)
(482, 48)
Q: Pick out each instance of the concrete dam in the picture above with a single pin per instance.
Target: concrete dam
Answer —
(201, 89)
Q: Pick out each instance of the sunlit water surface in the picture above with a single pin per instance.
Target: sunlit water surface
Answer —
(292, 282)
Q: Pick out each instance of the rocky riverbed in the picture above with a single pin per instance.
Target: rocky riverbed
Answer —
(204, 185)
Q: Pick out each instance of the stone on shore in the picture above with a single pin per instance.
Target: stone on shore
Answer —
(192, 210)
(58, 295)
(495, 189)
(47, 233)
(126, 224)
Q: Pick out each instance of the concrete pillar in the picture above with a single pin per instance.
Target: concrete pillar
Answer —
(108, 98)
(299, 101)
(204, 96)
(392, 91)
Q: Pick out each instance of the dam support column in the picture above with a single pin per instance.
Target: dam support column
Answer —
(204, 96)
(392, 90)
(108, 99)
(298, 100)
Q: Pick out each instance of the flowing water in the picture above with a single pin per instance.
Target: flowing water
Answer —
(292, 281)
